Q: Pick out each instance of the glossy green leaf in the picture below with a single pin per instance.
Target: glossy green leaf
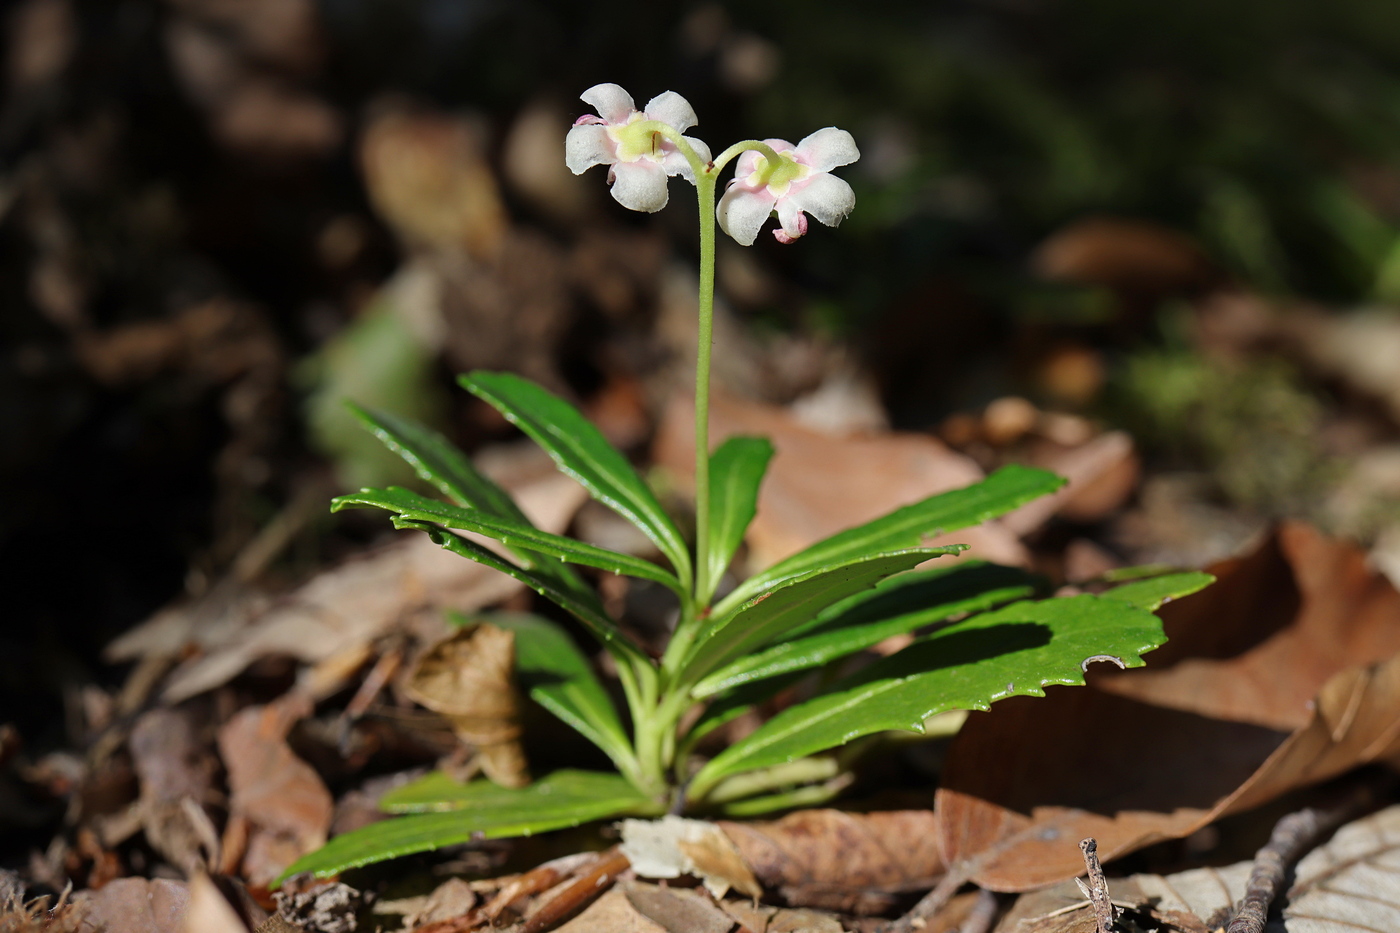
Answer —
(437, 461)
(438, 792)
(581, 451)
(894, 607)
(1152, 593)
(1004, 490)
(736, 471)
(794, 602)
(582, 605)
(479, 810)
(411, 506)
(1012, 651)
(731, 704)
(558, 677)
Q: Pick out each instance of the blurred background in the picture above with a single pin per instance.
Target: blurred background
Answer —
(218, 218)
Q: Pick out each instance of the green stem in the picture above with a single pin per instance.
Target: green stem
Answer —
(705, 194)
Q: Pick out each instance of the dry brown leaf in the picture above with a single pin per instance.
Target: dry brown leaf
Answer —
(428, 177)
(876, 473)
(1119, 253)
(855, 862)
(209, 911)
(678, 910)
(277, 798)
(469, 678)
(1031, 774)
(132, 905)
(611, 913)
(176, 769)
(1350, 882)
(407, 584)
(673, 846)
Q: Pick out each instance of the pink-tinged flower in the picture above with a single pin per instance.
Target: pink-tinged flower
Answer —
(639, 158)
(798, 184)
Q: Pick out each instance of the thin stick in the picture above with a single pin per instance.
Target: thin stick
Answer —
(1097, 888)
(579, 893)
(979, 918)
(1293, 836)
(934, 901)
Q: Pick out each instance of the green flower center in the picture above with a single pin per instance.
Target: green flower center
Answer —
(635, 141)
(778, 176)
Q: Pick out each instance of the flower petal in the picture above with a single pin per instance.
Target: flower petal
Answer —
(612, 102)
(746, 163)
(702, 150)
(587, 146)
(825, 197)
(742, 212)
(639, 186)
(827, 148)
(670, 107)
(793, 220)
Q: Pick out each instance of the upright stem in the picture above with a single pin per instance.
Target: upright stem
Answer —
(705, 193)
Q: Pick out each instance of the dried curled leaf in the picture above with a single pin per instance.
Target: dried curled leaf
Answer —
(469, 679)
(673, 846)
(856, 862)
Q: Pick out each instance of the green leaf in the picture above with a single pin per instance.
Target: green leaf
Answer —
(437, 461)
(582, 605)
(581, 451)
(479, 810)
(1014, 651)
(1150, 594)
(413, 507)
(1006, 489)
(730, 705)
(793, 602)
(736, 471)
(896, 606)
(558, 677)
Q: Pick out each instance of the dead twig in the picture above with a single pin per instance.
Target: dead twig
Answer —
(931, 903)
(1292, 838)
(1097, 889)
(579, 893)
(983, 913)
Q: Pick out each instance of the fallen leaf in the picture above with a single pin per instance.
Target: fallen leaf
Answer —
(175, 767)
(678, 910)
(209, 911)
(673, 846)
(282, 800)
(407, 584)
(453, 898)
(1120, 253)
(325, 908)
(876, 473)
(611, 913)
(133, 905)
(855, 862)
(469, 678)
(1030, 774)
(1350, 882)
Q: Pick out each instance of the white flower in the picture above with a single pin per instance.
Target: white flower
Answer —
(799, 182)
(640, 158)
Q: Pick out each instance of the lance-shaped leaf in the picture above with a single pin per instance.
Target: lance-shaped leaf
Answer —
(894, 607)
(1016, 650)
(478, 810)
(582, 605)
(794, 602)
(1152, 593)
(1004, 490)
(558, 677)
(581, 451)
(736, 471)
(412, 507)
(437, 461)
